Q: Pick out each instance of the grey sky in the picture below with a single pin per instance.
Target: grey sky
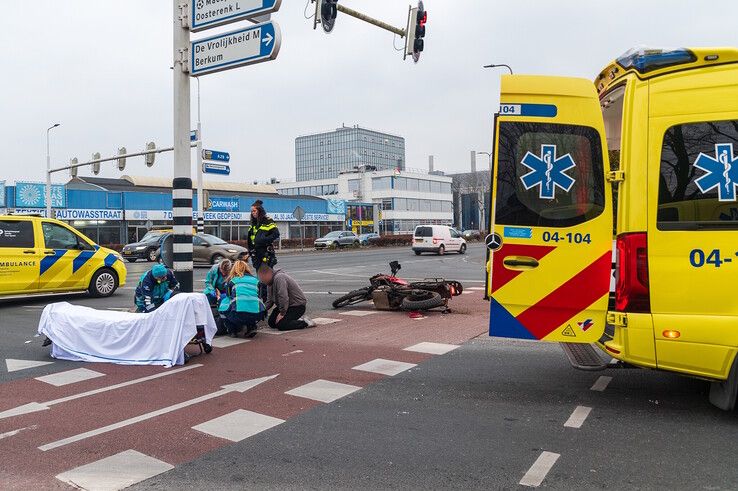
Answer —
(101, 68)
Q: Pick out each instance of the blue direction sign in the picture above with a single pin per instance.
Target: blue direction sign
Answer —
(212, 13)
(193, 135)
(211, 168)
(234, 49)
(216, 155)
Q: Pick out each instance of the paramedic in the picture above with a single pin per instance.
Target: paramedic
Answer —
(244, 307)
(154, 288)
(215, 281)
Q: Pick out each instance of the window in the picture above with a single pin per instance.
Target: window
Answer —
(424, 205)
(412, 185)
(435, 187)
(424, 186)
(400, 183)
(697, 186)
(401, 204)
(424, 232)
(16, 233)
(381, 183)
(576, 196)
(353, 185)
(58, 237)
(197, 241)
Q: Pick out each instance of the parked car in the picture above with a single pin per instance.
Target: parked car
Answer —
(366, 239)
(337, 238)
(146, 248)
(437, 238)
(471, 234)
(209, 249)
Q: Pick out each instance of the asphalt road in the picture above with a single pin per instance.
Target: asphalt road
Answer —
(323, 275)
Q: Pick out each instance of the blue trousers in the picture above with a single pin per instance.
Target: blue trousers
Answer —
(235, 321)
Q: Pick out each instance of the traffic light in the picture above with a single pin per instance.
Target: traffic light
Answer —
(150, 156)
(73, 170)
(96, 165)
(122, 162)
(328, 10)
(416, 27)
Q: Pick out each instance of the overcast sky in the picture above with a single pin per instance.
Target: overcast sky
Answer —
(101, 69)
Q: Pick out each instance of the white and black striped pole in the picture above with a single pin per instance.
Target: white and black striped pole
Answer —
(182, 182)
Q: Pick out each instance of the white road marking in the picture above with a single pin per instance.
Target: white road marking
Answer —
(322, 321)
(226, 389)
(115, 472)
(70, 377)
(601, 383)
(325, 293)
(15, 432)
(477, 288)
(540, 468)
(385, 367)
(33, 407)
(323, 390)
(577, 417)
(295, 352)
(467, 292)
(238, 425)
(226, 342)
(359, 313)
(432, 348)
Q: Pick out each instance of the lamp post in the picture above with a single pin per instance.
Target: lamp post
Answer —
(200, 204)
(48, 171)
(499, 65)
(481, 191)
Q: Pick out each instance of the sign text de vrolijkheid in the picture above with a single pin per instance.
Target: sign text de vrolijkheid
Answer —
(234, 49)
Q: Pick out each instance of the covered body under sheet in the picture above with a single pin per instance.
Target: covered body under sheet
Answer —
(158, 338)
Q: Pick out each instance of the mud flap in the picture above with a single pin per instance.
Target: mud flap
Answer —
(723, 394)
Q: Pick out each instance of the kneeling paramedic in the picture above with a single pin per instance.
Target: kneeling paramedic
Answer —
(154, 288)
(244, 307)
(215, 281)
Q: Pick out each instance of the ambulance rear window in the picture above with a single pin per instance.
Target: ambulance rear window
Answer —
(14, 233)
(698, 182)
(549, 175)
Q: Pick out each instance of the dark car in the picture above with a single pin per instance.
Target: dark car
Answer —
(336, 239)
(209, 249)
(146, 248)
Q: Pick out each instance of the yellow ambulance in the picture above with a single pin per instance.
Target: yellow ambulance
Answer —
(41, 255)
(615, 221)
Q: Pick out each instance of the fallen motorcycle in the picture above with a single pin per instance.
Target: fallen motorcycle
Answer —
(392, 293)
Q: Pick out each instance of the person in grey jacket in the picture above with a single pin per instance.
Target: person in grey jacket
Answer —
(287, 298)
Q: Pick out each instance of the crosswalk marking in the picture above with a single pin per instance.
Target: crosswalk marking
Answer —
(323, 390)
(118, 471)
(238, 425)
(385, 367)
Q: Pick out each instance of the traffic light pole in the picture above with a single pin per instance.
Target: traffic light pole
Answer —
(383, 25)
(182, 179)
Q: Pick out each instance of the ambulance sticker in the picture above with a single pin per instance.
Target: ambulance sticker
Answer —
(721, 172)
(586, 324)
(568, 331)
(548, 171)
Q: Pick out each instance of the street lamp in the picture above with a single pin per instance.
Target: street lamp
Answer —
(489, 155)
(48, 170)
(499, 65)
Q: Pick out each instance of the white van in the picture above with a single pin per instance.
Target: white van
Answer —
(437, 238)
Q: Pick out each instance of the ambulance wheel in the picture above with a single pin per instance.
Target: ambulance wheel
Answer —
(103, 283)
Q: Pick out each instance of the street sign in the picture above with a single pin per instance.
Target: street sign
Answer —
(193, 135)
(212, 13)
(234, 49)
(216, 155)
(210, 168)
(299, 213)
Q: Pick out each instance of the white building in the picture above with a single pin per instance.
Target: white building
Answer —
(401, 199)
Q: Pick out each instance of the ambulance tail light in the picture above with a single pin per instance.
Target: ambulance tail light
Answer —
(631, 268)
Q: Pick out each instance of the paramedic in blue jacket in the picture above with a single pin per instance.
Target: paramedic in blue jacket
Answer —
(215, 281)
(244, 308)
(154, 288)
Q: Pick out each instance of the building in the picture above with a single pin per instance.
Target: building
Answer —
(472, 193)
(326, 155)
(117, 211)
(399, 200)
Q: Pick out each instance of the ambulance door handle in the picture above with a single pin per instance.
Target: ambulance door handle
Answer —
(49, 253)
(29, 251)
(520, 263)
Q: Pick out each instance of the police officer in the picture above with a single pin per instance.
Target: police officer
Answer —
(154, 288)
(263, 234)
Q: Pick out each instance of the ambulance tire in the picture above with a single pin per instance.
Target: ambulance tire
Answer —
(103, 283)
(422, 301)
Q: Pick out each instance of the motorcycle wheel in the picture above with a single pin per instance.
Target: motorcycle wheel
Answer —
(422, 301)
(353, 297)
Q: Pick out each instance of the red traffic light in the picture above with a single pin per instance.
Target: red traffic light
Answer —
(422, 17)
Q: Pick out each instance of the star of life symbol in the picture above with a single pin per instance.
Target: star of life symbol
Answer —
(721, 172)
(548, 172)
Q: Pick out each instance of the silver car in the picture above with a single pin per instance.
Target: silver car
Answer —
(337, 239)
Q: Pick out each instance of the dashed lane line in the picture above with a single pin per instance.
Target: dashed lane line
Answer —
(601, 383)
(576, 420)
(540, 469)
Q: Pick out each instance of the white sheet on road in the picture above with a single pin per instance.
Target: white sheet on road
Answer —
(158, 338)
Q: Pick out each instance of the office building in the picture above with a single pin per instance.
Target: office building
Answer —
(326, 155)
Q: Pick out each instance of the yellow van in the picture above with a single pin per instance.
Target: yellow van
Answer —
(40, 255)
(649, 153)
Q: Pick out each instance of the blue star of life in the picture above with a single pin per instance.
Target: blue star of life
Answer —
(548, 172)
(721, 172)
